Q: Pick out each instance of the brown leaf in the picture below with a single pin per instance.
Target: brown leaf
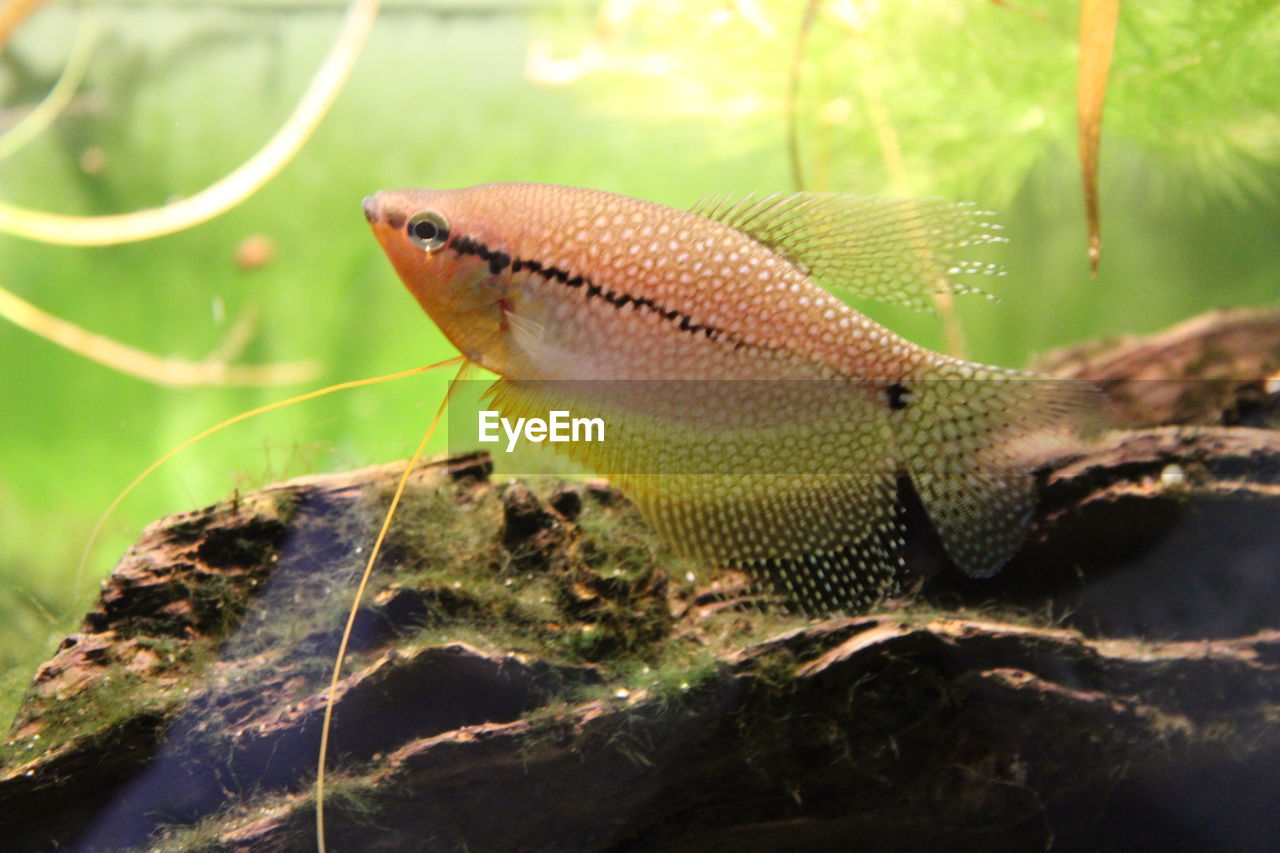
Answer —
(1097, 38)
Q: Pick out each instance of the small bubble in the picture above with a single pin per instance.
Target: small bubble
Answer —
(1173, 477)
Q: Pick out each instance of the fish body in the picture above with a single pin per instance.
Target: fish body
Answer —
(762, 422)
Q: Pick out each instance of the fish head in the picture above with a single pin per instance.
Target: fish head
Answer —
(441, 244)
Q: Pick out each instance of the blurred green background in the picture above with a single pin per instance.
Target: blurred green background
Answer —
(664, 100)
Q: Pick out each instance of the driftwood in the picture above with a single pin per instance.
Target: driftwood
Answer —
(534, 672)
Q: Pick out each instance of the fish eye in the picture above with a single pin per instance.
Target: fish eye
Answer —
(428, 230)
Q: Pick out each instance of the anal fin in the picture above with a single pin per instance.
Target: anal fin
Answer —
(793, 482)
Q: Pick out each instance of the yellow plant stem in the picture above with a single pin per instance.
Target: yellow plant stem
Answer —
(243, 416)
(226, 193)
(144, 365)
(39, 118)
(355, 603)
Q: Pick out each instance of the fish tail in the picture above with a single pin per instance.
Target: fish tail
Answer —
(971, 437)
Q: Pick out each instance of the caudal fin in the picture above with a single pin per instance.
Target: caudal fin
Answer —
(971, 436)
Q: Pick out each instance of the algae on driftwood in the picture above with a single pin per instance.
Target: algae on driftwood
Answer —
(534, 671)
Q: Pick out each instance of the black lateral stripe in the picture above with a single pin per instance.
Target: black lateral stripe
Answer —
(899, 396)
(465, 246)
(500, 261)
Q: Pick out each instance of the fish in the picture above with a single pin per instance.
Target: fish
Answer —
(756, 419)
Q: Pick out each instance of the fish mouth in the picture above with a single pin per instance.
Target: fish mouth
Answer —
(379, 212)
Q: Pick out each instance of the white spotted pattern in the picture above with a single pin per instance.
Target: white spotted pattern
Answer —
(756, 419)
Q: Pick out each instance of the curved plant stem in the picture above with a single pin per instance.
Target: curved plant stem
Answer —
(341, 656)
(231, 190)
(243, 416)
(899, 183)
(144, 365)
(35, 122)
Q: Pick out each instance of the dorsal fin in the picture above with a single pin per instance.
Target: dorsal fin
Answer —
(887, 249)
